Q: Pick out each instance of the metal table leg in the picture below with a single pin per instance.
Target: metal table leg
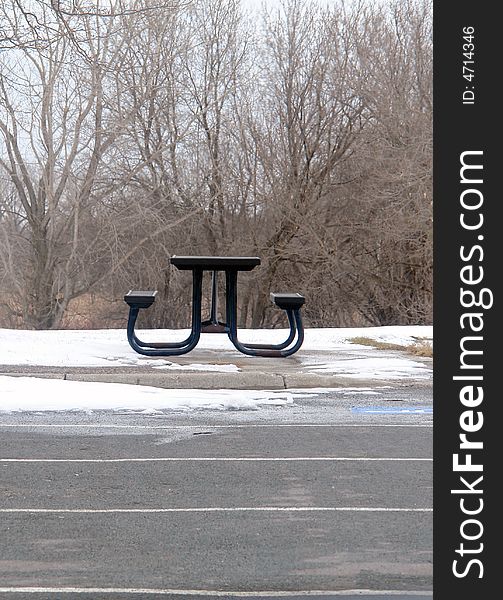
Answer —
(213, 325)
(266, 350)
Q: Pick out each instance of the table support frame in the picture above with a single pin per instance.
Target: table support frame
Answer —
(290, 345)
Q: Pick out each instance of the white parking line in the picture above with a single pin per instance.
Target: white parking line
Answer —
(214, 509)
(240, 594)
(213, 459)
(426, 424)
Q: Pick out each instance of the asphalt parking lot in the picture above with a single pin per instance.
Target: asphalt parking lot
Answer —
(319, 500)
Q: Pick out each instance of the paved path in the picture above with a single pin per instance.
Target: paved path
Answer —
(316, 499)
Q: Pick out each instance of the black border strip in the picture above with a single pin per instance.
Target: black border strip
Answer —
(470, 128)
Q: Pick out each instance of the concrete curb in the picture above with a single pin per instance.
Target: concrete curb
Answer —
(205, 381)
(256, 380)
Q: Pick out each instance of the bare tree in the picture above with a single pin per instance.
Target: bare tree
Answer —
(212, 71)
(56, 128)
(388, 229)
(311, 116)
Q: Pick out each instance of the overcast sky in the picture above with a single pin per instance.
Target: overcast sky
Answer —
(256, 4)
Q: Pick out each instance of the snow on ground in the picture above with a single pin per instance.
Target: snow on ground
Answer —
(325, 351)
(36, 394)
(370, 367)
(109, 347)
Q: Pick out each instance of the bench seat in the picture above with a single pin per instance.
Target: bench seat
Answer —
(288, 301)
(140, 298)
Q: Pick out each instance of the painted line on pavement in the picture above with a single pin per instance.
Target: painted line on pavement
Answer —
(227, 593)
(214, 509)
(211, 459)
(425, 425)
(402, 410)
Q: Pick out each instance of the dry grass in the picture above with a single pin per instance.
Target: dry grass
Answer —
(91, 311)
(421, 347)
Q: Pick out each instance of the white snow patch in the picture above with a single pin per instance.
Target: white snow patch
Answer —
(373, 367)
(100, 348)
(37, 394)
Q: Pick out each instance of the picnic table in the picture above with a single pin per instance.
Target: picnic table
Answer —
(230, 265)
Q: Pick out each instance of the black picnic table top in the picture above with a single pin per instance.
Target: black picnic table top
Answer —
(215, 263)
